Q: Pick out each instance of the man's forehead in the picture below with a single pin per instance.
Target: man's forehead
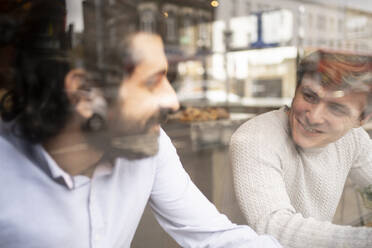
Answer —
(149, 49)
(147, 45)
(343, 96)
(314, 84)
(323, 90)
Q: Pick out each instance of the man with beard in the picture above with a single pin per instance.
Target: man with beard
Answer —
(70, 182)
(291, 165)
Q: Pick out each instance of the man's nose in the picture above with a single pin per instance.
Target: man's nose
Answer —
(168, 98)
(316, 113)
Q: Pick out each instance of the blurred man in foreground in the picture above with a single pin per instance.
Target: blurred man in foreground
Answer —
(67, 181)
(291, 165)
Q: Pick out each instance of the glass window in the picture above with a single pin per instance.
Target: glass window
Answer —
(91, 82)
(148, 21)
(248, 8)
(171, 27)
(321, 22)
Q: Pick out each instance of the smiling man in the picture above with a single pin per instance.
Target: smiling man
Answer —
(290, 165)
(68, 180)
(325, 109)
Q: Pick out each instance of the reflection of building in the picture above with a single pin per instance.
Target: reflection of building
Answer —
(287, 27)
(104, 20)
(182, 24)
(314, 24)
(358, 32)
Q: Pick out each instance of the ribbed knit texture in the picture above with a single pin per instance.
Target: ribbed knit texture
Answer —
(292, 193)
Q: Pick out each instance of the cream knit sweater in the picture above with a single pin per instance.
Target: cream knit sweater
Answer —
(292, 193)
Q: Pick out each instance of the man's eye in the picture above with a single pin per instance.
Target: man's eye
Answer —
(309, 97)
(337, 110)
(153, 82)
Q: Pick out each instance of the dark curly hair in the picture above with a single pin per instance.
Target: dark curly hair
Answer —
(36, 103)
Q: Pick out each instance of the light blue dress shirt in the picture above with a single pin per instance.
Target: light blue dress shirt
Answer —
(41, 206)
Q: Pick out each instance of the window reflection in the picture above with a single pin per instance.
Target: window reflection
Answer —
(232, 58)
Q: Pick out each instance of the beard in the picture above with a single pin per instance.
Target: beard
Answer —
(134, 146)
(134, 143)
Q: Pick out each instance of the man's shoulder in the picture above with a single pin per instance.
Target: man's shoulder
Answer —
(5, 140)
(10, 153)
(274, 117)
(11, 146)
(5, 145)
(270, 124)
(354, 140)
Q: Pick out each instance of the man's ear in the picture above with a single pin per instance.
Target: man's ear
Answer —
(73, 81)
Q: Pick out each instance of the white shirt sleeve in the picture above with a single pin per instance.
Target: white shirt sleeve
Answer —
(187, 215)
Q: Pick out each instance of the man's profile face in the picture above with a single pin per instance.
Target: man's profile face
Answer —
(142, 96)
(320, 116)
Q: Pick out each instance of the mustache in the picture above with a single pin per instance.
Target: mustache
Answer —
(160, 117)
(314, 126)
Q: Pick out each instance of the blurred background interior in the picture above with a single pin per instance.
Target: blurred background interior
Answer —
(229, 60)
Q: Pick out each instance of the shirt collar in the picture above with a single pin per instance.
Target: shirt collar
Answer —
(71, 182)
(55, 171)
(42, 159)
